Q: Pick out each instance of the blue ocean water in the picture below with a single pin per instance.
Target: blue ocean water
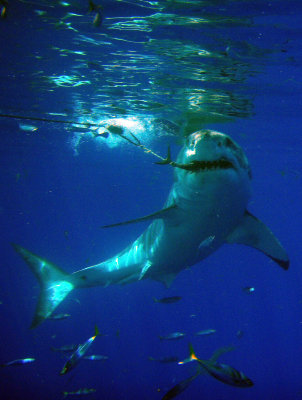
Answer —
(161, 69)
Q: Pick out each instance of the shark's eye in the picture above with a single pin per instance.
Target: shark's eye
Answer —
(230, 144)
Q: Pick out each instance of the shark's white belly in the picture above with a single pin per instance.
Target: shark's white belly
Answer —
(204, 223)
(200, 224)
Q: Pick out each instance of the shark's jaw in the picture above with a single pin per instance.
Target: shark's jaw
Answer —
(198, 166)
(211, 161)
(209, 150)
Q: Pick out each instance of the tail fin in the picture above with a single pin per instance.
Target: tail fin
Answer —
(96, 331)
(53, 281)
(192, 356)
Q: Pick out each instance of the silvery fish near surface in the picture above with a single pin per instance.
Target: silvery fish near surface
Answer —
(212, 177)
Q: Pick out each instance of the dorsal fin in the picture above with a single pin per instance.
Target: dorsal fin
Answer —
(218, 353)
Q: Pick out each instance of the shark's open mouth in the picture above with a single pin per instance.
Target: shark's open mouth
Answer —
(195, 166)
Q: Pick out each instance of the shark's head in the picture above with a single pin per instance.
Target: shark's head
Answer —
(212, 157)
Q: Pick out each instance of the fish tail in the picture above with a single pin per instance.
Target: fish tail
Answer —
(192, 356)
(54, 282)
(96, 331)
(192, 353)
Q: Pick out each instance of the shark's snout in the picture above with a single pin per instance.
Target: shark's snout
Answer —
(214, 150)
(208, 137)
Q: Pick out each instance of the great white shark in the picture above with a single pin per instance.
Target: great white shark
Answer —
(206, 207)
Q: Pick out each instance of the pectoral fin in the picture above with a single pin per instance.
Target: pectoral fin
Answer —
(164, 213)
(253, 232)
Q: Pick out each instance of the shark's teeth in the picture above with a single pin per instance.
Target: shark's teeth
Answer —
(211, 165)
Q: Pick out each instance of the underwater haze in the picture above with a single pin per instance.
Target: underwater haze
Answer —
(92, 94)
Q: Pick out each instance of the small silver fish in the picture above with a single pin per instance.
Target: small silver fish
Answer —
(167, 300)
(248, 289)
(79, 392)
(59, 317)
(96, 357)
(28, 128)
(19, 361)
(205, 332)
(173, 336)
(69, 348)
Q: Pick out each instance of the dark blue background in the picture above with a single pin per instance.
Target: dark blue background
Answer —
(54, 203)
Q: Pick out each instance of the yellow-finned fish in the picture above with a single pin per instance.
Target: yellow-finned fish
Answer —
(222, 372)
(78, 353)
